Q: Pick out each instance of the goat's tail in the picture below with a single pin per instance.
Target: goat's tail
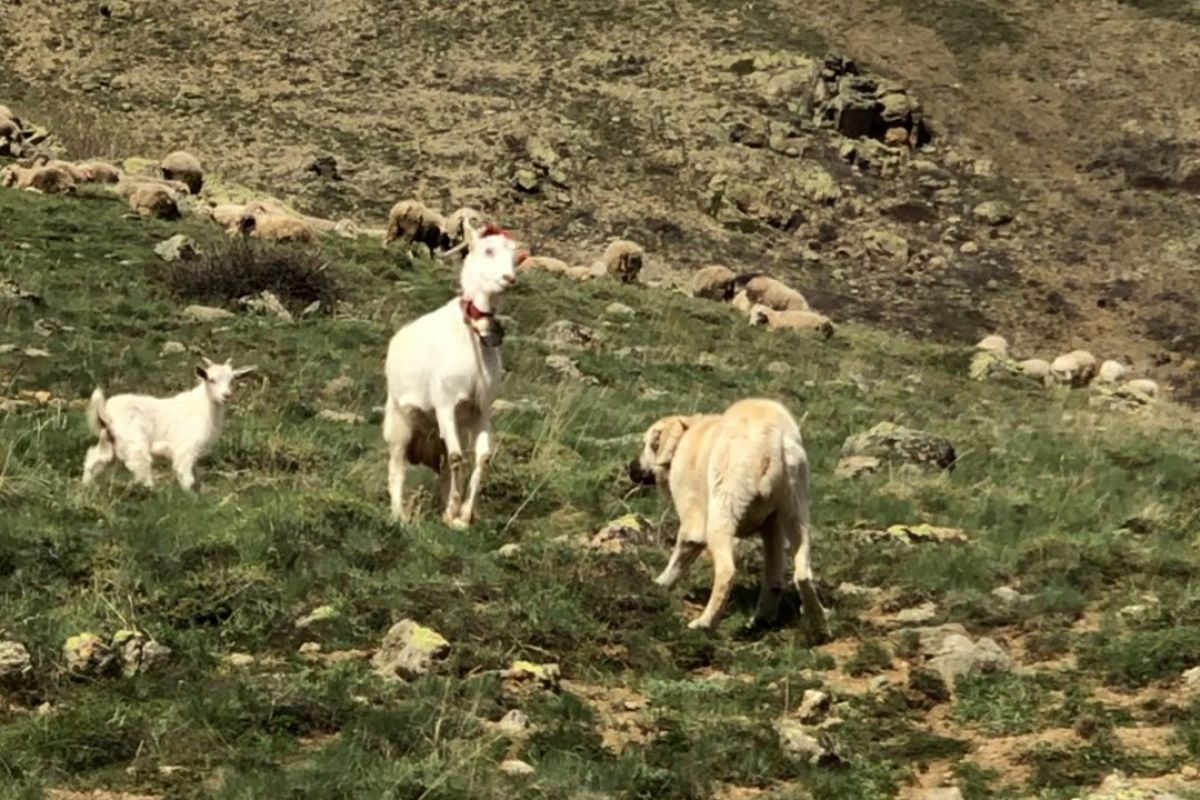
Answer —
(98, 421)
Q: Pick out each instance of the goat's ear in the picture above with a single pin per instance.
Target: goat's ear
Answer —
(240, 371)
(201, 373)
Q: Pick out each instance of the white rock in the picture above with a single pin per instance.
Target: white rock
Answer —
(515, 766)
(206, 314)
(172, 349)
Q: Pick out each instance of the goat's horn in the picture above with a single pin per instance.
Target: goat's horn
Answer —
(452, 250)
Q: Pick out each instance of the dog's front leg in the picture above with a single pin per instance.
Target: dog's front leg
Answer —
(720, 547)
(682, 557)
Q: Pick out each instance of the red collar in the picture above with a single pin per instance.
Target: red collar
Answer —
(472, 312)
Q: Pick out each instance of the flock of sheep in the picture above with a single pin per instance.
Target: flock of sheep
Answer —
(439, 399)
(1076, 369)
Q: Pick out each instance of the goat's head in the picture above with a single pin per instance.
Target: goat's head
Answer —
(218, 378)
(490, 266)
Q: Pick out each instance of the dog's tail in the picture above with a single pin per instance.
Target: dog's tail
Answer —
(97, 419)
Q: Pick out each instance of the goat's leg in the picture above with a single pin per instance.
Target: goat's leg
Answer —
(138, 460)
(183, 465)
(98, 458)
(483, 456)
(448, 427)
(397, 432)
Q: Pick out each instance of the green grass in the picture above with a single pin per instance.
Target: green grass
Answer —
(292, 515)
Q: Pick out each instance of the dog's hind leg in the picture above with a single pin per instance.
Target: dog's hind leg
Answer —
(796, 525)
(774, 538)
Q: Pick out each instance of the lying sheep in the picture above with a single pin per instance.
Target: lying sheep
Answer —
(100, 172)
(713, 283)
(1142, 386)
(227, 215)
(765, 290)
(1076, 368)
(183, 167)
(48, 179)
(277, 227)
(131, 183)
(412, 221)
(558, 267)
(154, 200)
(137, 427)
(623, 260)
(346, 228)
(791, 320)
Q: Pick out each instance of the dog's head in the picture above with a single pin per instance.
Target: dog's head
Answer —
(658, 449)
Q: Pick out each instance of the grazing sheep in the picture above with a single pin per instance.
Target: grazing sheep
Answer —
(183, 167)
(1036, 368)
(412, 221)
(765, 290)
(442, 371)
(137, 427)
(994, 344)
(713, 283)
(48, 179)
(791, 320)
(623, 260)
(154, 200)
(278, 227)
(1076, 368)
(454, 226)
(1111, 372)
(742, 302)
(228, 215)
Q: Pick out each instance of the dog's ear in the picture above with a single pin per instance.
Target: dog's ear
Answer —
(668, 442)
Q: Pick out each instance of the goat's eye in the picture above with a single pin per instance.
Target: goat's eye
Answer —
(490, 252)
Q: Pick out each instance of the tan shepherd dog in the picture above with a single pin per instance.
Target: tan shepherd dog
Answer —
(730, 476)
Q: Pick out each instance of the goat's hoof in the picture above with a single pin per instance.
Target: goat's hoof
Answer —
(700, 624)
(457, 523)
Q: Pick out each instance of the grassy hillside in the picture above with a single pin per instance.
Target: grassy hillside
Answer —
(1084, 510)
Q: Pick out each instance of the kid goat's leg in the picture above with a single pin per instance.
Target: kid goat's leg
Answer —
(396, 432)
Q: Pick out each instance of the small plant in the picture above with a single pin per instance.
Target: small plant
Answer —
(871, 657)
(298, 276)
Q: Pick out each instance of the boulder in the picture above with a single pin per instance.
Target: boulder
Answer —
(14, 661)
(631, 529)
(993, 212)
(897, 444)
(178, 248)
(409, 651)
(138, 653)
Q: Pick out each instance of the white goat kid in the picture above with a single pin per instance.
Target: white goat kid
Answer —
(137, 427)
(443, 370)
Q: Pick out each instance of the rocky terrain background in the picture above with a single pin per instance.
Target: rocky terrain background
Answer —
(689, 127)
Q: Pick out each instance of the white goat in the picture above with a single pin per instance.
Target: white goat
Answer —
(137, 427)
(443, 370)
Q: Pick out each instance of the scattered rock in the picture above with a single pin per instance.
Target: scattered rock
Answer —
(917, 534)
(568, 369)
(330, 415)
(839, 96)
(88, 654)
(899, 444)
(926, 612)
(1008, 595)
(891, 247)
(267, 303)
(514, 723)
(993, 212)
(619, 310)
(1190, 681)
(1117, 787)
(178, 248)
(172, 349)
(510, 550)
(14, 661)
(853, 466)
(631, 529)
(138, 653)
(959, 656)
(239, 659)
(526, 677)
(35, 352)
(9, 290)
(318, 614)
(942, 793)
(813, 706)
(779, 368)
(206, 314)
(564, 333)
(409, 651)
(514, 766)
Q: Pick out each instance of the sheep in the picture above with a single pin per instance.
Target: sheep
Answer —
(1076, 368)
(742, 302)
(1035, 368)
(154, 200)
(132, 183)
(48, 179)
(100, 172)
(793, 320)
(346, 228)
(183, 167)
(1111, 372)
(558, 267)
(413, 221)
(1142, 386)
(228, 215)
(442, 372)
(278, 227)
(137, 427)
(713, 283)
(454, 226)
(995, 344)
(764, 290)
(623, 260)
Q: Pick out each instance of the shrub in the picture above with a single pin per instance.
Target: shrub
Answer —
(297, 276)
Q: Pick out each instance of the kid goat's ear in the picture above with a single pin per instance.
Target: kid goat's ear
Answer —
(201, 373)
